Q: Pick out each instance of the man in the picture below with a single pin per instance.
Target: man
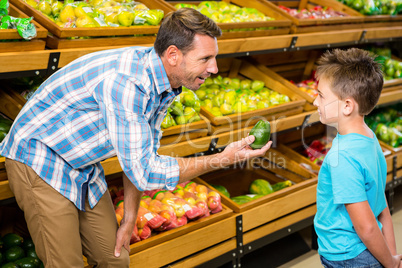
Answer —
(101, 105)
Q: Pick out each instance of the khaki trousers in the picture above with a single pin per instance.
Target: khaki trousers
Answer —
(61, 232)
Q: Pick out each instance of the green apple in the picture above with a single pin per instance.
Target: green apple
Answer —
(86, 21)
(32, 3)
(56, 7)
(125, 18)
(67, 14)
(201, 93)
(45, 7)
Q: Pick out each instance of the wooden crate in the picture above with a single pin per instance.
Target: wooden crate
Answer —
(270, 207)
(14, 42)
(275, 166)
(243, 69)
(99, 36)
(281, 24)
(298, 66)
(353, 21)
(152, 251)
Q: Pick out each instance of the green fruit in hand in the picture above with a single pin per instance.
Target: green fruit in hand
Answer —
(262, 132)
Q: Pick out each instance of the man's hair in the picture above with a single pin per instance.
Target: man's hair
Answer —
(352, 73)
(179, 28)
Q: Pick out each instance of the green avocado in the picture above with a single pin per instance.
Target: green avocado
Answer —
(262, 132)
(11, 240)
(10, 265)
(28, 262)
(14, 253)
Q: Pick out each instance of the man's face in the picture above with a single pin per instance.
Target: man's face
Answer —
(327, 103)
(199, 63)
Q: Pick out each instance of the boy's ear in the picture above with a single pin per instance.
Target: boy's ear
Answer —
(173, 55)
(349, 105)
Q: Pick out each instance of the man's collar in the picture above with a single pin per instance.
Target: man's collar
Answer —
(158, 70)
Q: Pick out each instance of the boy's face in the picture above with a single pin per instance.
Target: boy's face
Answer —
(328, 103)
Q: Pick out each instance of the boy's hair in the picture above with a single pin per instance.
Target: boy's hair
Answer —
(352, 73)
(179, 28)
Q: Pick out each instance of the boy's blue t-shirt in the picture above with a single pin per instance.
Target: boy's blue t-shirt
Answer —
(354, 170)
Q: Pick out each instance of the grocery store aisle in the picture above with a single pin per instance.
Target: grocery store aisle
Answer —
(312, 260)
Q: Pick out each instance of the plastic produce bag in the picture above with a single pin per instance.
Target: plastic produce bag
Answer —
(24, 27)
(3, 8)
(151, 219)
(366, 7)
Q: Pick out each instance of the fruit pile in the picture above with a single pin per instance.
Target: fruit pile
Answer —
(387, 125)
(224, 96)
(25, 28)
(184, 109)
(224, 12)
(309, 86)
(392, 69)
(16, 251)
(162, 210)
(317, 150)
(375, 7)
(317, 12)
(258, 188)
(97, 13)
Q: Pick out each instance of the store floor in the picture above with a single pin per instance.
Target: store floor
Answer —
(311, 259)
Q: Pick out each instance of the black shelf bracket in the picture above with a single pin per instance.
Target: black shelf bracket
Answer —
(362, 36)
(212, 146)
(293, 44)
(53, 63)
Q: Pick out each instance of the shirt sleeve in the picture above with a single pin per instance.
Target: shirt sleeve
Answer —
(123, 104)
(348, 184)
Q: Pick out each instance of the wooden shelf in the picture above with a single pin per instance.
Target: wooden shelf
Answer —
(41, 60)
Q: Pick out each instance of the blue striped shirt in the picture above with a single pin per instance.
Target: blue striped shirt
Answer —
(101, 105)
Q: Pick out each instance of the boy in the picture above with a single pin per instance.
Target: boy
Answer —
(353, 222)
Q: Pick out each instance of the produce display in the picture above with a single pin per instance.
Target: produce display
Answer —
(262, 132)
(16, 251)
(392, 69)
(224, 96)
(184, 109)
(97, 13)
(224, 12)
(387, 125)
(259, 188)
(317, 12)
(162, 210)
(5, 126)
(317, 150)
(25, 28)
(375, 7)
(309, 86)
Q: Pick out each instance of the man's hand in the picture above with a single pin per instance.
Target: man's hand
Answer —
(132, 199)
(123, 237)
(240, 150)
